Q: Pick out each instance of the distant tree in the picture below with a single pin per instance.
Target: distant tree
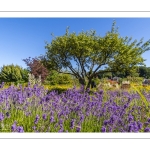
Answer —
(148, 72)
(12, 73)
(105, 75)
(144, 71)
(36, 68)
(85, 54)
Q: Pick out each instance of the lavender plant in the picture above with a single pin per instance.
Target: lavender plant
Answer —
(32, 109)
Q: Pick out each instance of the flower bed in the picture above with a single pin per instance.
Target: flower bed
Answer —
(32, 109)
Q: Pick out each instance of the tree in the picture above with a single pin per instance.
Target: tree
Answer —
(36, 67)
(148, 72)
(85, 54)
(12, 73)
(144, 71)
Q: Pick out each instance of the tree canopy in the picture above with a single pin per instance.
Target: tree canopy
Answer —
(85, 55)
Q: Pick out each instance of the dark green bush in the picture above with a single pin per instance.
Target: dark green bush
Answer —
(55, 78)
(59, 89)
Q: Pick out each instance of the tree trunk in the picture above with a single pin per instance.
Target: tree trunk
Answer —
(82, 81)
(89, 83)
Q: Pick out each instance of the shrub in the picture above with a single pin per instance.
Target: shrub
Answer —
(36, 68)
(57, 88)
(11, 73)
(55, 78)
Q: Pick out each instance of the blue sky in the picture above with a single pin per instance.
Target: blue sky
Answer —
(21, 38)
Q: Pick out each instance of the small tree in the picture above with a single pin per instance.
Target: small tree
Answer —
(36, 68)
(85, 54)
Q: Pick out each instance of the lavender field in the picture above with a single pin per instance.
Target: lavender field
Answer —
(34, 109)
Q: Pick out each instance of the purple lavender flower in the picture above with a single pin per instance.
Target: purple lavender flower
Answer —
(1, 116)
(82, 118)
(125, 106)
(72, 123)
(130, 118)
(78, 128)
(113, 119)
(120, 122)
(52, 119)
(139, 125)
(101, 92)
(27, 113)
(61, 121)
(106, 122)
(29, 84)
(44, 116)
(147, 129)
(20, 129)
(103, 129)
(110, 129)
(14, 126)
(148, 120)
(121, 130)
(8, 114)
(36, 119)
(134, 126)
(61, 129)
(146, 123)
(2, 85)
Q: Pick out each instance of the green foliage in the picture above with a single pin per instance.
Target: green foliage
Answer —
(96, 80)
(11, 73)
(105, 75)
(58, 78)
(144, 72)
(24, 74)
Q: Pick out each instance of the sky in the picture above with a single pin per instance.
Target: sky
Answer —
(21, 38)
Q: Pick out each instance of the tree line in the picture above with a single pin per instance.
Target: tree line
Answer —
(15, 73)
(141, 71)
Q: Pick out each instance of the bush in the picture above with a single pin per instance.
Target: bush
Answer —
(36, 68)
(55, 78)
